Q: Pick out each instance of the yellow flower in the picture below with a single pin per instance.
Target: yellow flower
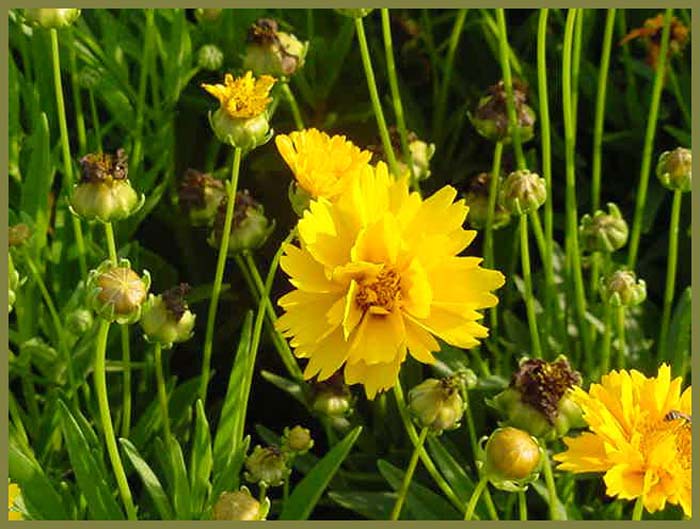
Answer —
(378, 275)
(243, 97)
(12, 494)
(638, 438)
(322, 165)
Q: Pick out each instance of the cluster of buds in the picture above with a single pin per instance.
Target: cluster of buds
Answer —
(250, 228)
(436, 404)
(166, 318)
(523, 192)
(273, 52)
(104, 192)
(117, 293)
(200, 195)
(477, 198)
(240, 505)
(675, 169)
(51, 18)
(623, 289)
(511, 458)
(603, 232)
(490, 118)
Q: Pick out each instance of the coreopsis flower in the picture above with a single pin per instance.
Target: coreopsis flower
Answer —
(241, 120)
(639, 437)
(240, 505)
(13, 493)
(378, 275)
(323, 165)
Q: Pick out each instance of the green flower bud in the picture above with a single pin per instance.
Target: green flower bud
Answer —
(116, 292)
(273, 52)
(297, 440)
(250, 227)
(603, 232)
(200, 196)
(240, 505)
(89, 77)
(421, 154)
(166, 318)
(51, 18)
(332, 398)
(104, 192)
(12, 282)
(210, 57)
(267, 466)
(355, 13)
(623, 289)
(490, 119)
(437, 404)
(523, 192)
(512, 459)
(299, 198)
(477, 198)
(246, 133)
(207, 15)
(79, 321)
(675, 169)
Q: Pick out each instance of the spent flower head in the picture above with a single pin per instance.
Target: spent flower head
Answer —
(273, 52)
(490, 119)
(250, 228)
(437, 404)
(523, 192)
(477, 198)
(166, 318)
(267, 466)
(200, 195)
(116, 292)
(622, 288)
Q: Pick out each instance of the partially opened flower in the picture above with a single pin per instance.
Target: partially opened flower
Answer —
(378, 275)
(639, 438)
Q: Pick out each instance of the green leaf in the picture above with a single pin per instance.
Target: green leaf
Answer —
(454, 473)
(150, 480)
(291, 387)
(93, 484)
(228, 477)
(38, 180)
(180, 485)
(201, 460)
(678, 343)
(541, 489)
(371, 505)
(308, 491)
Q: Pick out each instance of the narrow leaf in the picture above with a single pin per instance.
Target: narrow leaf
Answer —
(150, 480)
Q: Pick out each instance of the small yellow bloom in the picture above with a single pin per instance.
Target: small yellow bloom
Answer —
(639, 437)
(378, 275)
(243, 97)
(12, 494)
(322, 165)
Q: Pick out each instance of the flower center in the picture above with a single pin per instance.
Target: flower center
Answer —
(380, 293)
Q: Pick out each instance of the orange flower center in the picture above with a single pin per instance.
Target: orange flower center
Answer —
(382, 292)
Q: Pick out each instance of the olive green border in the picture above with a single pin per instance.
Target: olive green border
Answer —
(590, 4)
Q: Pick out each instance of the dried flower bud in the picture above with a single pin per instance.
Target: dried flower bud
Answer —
(675, 169)
(51, 18)
(200, 196)
(523, 192)
(512, 458)
(490, 119)
(210, 57)
(273, 52)
(166, 318)
(116, 292)
(297, 440)
(250, 228)
(332, 397)
(79, 321)
(267, 466)
(207, 15)
(623, 289)
(355, 13)
(240, 505)
(603, 232)
(437, 404)
(477, 198)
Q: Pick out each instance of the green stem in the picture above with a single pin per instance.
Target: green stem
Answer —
(607, 338)
(522, 505)
(396, 96)
(111, 242)
(475, 498)
(551, 487)
(488, 232)
(542, 246)
(403, 491)
(65, 147)
(527, 278)
(106, 420)
(162, 394)
(638, 509)
(575, 67)
(670, 273)
(675, 87)
(293, 106)
(141, 94)
(374, 96)
(622, 346)
(77, 101)
(600, 108)
(647, 152)
(126, 390)
(219, 274)
(95, 121)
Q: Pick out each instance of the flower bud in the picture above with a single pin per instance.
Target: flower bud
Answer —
(116, 292)
(490, 119)
(523, 192)
(675, 169)
(332, 397)
(210, 57)
(477, 198)
(166, 318)
(297, 440)
(273, 52)
(79, 321)
(104, 192)
(437, 404)
(622, 288)
(240, 505)
(421, 154)
(355, 13)
(12, 282)
(299, 198)
(207, 15)
(603, 232)
(200, 196)
(512, 458)
(250, 228)
(51, 18)
(267, 466)
(89, 77)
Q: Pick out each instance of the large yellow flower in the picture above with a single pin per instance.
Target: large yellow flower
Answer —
(12, 494)
(243, 97)
(637, 438)
(378, 275)
(322, 165)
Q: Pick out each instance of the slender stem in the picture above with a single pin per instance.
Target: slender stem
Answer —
(542, 246)
(600, 108)
(65, 147)
(77, 101)
(111, 243)
(162, 394)
(675, 87)
(403, 491)
(670, 273)
(374, 96)
(522, 505)
(622, 346)
(396, 96)
(141, 94)
(219, 275)
(488, 233)
(527, 278)
(293, 105)
(285, 486)
(100, 377)
(551, 487)
(508, 83)
(475, 498)
(652, 118)
(607, 338)
(126, 389)
(95, 120)
(638, 509)
(575, 67)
